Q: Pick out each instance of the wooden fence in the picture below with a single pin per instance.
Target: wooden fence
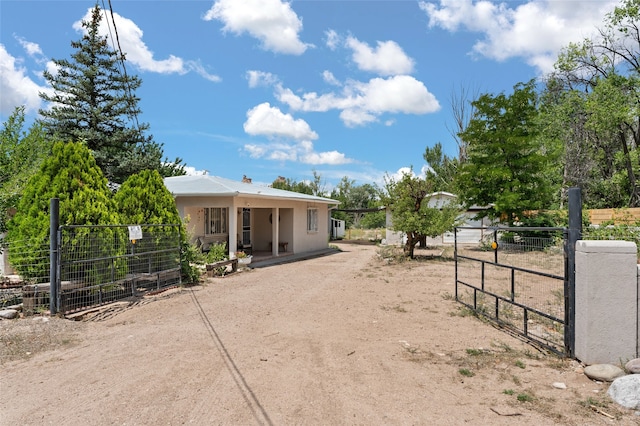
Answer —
(623, 216)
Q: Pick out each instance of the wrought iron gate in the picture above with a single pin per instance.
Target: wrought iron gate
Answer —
(518, 277)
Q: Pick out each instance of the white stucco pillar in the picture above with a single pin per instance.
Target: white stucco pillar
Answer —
(606, 301)
(233, 230)
(275, 230)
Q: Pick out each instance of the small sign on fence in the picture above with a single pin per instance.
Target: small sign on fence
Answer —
(135, 233)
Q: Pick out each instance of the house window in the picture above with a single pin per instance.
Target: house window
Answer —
(215, 220)
(312, 220)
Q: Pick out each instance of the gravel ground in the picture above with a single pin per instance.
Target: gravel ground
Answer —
(349, 338)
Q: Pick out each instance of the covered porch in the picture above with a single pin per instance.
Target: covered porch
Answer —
(251, 229)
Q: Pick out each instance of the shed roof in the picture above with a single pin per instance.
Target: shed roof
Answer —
(214, 186)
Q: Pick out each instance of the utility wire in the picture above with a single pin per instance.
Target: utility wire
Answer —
(116, 45)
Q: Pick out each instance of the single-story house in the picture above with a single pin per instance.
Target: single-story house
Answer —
(468, 218)
(251, 217)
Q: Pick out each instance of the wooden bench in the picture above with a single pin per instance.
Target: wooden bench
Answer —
(211, 267)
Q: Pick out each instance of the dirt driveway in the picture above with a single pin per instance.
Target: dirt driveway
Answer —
(345, 339)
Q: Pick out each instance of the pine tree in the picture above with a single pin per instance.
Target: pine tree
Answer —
(143, 199)
(70, 174)
(94, 102)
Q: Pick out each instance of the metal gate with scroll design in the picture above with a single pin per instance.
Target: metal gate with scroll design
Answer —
(517, 277)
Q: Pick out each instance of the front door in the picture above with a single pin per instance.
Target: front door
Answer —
(246, 227)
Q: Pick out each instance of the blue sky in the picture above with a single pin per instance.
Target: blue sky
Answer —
(268, 88)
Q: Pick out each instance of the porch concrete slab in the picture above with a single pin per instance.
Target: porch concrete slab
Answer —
(278, 260)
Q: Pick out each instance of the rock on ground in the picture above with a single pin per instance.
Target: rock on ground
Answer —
(603, 372)
(626, 391)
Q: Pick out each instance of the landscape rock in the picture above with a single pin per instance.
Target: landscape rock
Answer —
(603, 372)
(633, 366)
(8, 313)
(626, 391)
(559, 385)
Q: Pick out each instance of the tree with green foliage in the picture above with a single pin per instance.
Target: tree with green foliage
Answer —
(358, 197)
(442, 169)
(93, 101)
(21, 153)
(71, 175)
(508, 163)
(593, 100)
(288, 184)
(408, 199)
(144, 199)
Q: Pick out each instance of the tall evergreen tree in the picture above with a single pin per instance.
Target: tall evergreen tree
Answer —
(71, 175)
(144, 199)
(94, 102)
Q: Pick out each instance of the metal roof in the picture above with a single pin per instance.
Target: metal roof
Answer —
(214, 186)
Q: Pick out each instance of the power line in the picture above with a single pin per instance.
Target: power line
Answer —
(116, 45)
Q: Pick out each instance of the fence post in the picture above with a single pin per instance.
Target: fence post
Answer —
(54, 223)
(573, 235)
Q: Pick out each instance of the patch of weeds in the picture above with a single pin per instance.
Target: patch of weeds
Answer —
(531, 355)
(448, 296)
(501, 345)
(516, 381)
(593, 402)
(525, 397)
(466, 372)
(463, 311)
(520, 364)
(475, 352)
(396, 308)
(508, 392)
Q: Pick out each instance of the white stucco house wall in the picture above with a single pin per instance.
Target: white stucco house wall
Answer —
(244, 215)
(439, 199)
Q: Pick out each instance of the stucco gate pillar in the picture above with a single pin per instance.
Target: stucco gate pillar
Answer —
(606, 320)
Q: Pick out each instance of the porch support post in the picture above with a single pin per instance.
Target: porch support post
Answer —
(233, 230)
(275, 230)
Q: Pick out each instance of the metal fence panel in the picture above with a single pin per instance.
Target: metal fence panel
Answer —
(100, 264)
(516, 277)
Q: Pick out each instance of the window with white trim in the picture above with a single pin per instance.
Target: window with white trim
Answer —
(312, 220)
(215, 220)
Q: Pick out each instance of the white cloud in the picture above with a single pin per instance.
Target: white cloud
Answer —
(32, 49)
(333, 39)
(269, 121)
(387, 58)
(260, 78)
(291, 139)
(16, 87)
(192, 171)
(362, 103)
(536, 30)
(137, 52)
(328, 77)
(273, 22)
(302, 152)
(400, 173)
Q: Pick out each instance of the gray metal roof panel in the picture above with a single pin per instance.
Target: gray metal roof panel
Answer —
(212, 186)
